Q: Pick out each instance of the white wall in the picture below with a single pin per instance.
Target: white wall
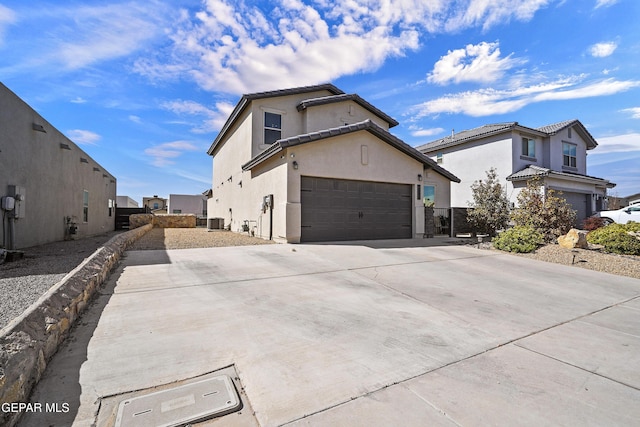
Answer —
(126, 202)
(471, 162)
(187, 204)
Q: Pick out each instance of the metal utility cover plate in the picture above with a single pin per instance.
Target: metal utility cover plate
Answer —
(180, 405)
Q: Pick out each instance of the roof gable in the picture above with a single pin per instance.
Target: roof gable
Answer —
(554, 128)
(347, 97)
(246, 99)
(366, 125)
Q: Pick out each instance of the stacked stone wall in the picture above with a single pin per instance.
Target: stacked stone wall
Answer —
(29, 341)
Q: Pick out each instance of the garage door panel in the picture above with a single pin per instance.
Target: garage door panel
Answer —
(334, 209)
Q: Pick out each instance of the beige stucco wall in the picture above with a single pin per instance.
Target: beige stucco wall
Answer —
(333, 115)
(292, 120)
(54, 178)
(342, 157)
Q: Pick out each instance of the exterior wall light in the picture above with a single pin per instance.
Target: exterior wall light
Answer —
(295, 165)
(419, 177)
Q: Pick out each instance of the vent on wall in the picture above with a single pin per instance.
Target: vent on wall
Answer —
(38, 127)
(65, 146)
(83, 160)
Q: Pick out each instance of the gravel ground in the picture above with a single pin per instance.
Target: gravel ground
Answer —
(591, 259)
(187, 238)
(23, 282)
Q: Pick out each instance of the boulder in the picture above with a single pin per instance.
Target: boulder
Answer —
(574, 239)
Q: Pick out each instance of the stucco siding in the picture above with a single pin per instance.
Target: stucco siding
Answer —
(342, 157)
(292, 120)
(333, 115)
(54, 173)
(471, 162)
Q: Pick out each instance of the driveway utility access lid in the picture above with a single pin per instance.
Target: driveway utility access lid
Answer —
(180, 405)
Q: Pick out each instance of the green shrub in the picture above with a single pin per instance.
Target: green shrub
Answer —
(522, 239)
(633, 226)
(615, 238)
(543, 210)
(490, 208)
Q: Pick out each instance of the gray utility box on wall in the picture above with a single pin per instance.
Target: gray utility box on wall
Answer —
(18, 193)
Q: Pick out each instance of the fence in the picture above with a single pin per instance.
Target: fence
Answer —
(122, 216)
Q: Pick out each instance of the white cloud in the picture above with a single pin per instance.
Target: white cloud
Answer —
(618, 144)
(486, 102)
(425, 132)
(488, 13)
(83, 137)
(135, 119)
(212, 119)
(605, 3)
(78, 100)
(238, 48)
(474, 63)
(635, 112)
(7, 17)
(601, 50)
(163, 154)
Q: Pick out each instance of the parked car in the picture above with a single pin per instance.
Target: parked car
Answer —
(621, 216)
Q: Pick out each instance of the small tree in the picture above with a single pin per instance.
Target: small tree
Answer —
(547, 213)
(490, 207)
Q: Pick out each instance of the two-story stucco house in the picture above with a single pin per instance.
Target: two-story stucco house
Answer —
(556, 153)
(316, 164)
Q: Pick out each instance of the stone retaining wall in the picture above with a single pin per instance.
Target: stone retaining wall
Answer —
(163, 220)
(29, 341)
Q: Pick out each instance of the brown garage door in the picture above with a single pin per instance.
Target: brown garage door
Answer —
(338, 209)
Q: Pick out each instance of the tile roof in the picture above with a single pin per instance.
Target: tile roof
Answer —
(347, 97)
(497, 128)
(555, 127)
(467, 135)
(366, 125)
(532, 171)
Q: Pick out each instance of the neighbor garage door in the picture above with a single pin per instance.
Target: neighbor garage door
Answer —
(338, 209)
(580, 202)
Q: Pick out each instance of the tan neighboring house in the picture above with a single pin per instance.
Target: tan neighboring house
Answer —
(155, 204)
(50, 188)
(316, 164)
(556, 154)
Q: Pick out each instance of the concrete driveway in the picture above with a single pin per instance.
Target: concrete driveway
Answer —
(360, 335)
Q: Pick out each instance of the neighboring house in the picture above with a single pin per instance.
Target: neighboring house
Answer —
(316, 164)
(126, 202)
(557, 154)
(187, 204)
(155, 204)
(58, 191)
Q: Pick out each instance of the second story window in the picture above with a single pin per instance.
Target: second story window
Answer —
(272, 127)
(439, 158)
(528, 147)
(569, 155)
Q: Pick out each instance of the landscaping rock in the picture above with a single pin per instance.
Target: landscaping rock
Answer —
(574, 239)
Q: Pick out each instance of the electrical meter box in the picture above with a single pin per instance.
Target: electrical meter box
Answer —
(18, 193)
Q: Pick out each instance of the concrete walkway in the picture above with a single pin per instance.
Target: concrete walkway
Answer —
(359, 335)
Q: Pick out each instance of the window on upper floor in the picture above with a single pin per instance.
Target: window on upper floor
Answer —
(272, 127)
(439, 158)
(569, 158)
(528, 147)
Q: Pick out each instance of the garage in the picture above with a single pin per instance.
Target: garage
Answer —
(579, 202)
(338, 209)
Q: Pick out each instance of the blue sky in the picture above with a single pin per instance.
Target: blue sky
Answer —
(144, 86)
